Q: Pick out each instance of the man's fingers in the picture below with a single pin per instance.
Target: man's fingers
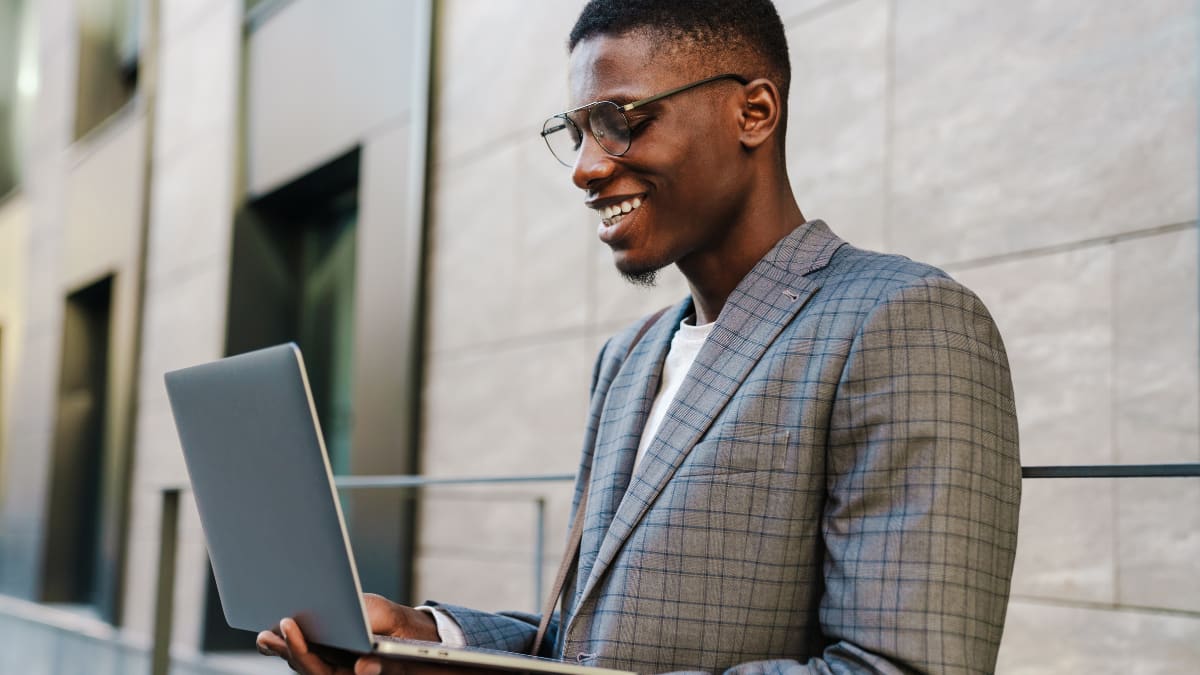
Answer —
(290, 630)
(301, 660)
(270, 644)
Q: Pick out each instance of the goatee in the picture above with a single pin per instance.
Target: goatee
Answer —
(644, 278)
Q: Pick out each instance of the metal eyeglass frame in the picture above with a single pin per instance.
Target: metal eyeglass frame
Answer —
(622, 109)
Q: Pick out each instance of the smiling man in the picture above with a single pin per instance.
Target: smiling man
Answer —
(809, 464)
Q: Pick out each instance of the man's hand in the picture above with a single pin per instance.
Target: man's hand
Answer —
(385, 617)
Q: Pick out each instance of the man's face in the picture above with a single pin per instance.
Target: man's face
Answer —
(680, 175)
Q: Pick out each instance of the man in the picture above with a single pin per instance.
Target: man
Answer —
(810, 464)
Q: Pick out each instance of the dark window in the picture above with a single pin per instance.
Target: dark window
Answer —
(108, 59)
(293, 279)
(73, 552)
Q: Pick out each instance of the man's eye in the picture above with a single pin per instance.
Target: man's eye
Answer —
(637, 125)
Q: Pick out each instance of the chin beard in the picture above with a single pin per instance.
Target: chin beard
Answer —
(643, 278)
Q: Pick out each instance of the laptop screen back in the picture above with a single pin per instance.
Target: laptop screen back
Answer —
(265, 494)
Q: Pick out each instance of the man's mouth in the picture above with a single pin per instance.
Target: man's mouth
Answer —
(611, 215)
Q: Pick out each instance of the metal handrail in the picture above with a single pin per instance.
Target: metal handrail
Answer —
(1113, 471)
(357, 482)
(1054, 471)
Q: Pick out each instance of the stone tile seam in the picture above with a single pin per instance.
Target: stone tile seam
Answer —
(1104, 606)
(1054, 249)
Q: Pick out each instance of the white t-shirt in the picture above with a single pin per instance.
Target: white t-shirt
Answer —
(684, 347)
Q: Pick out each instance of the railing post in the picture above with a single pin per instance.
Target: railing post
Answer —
(164, 594)
(539, 544)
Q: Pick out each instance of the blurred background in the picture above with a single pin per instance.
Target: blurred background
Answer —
(186, 179)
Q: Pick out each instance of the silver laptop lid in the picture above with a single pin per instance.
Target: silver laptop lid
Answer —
(265, 493)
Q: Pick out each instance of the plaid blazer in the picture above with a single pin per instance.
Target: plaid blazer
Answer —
(834, 489)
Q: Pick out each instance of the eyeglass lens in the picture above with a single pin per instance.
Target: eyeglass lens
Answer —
(606, 122)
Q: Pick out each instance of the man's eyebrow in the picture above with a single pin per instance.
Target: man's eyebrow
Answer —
(624, 97)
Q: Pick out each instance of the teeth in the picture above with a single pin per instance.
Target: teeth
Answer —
(617, 210)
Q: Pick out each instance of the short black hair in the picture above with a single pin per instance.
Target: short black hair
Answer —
(738, 28)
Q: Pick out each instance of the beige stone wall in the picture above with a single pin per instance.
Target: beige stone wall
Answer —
(1043, 153)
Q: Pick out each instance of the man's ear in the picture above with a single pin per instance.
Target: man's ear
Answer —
(760, 114)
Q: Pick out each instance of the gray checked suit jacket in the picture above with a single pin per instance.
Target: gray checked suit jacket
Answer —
(835, 488)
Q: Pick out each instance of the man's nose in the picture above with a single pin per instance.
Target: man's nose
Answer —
(592, 165)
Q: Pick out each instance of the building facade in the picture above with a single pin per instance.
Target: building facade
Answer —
(186, 179)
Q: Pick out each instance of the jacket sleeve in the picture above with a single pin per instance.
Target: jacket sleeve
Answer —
(506, 631)
(923, 491)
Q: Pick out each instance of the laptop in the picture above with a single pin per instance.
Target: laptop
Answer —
(271, 515)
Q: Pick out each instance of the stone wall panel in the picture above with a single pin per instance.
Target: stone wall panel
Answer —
(837, 119)
(1029, 124)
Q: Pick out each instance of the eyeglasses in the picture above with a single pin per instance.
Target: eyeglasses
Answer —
(607, 122)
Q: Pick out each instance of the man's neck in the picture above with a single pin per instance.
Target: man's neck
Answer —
(713, 277)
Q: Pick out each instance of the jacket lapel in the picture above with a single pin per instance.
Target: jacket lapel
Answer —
(626, 407)
(765, 301)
